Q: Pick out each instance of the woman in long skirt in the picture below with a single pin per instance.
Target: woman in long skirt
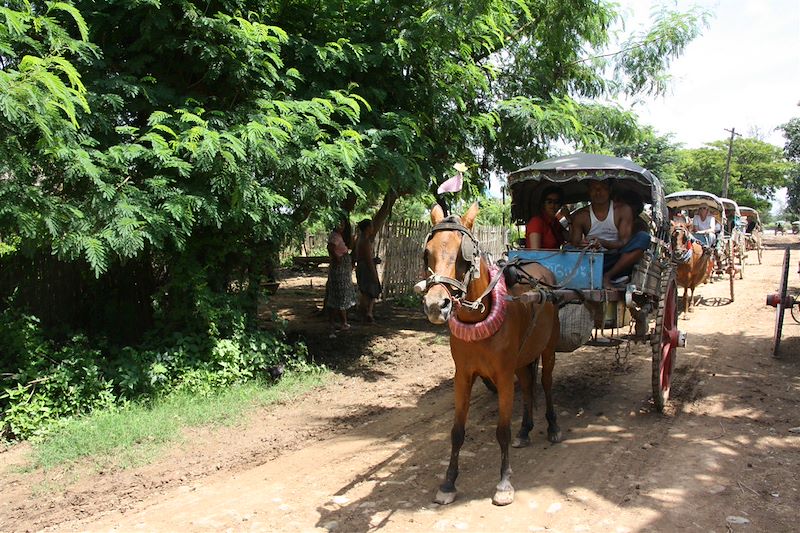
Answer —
(341, 294)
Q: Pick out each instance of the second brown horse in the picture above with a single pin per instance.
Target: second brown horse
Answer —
(490, 338)
(694, 264)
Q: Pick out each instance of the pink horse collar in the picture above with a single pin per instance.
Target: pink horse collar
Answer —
(493, 321)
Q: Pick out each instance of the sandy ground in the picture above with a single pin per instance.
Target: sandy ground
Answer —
(367, 451)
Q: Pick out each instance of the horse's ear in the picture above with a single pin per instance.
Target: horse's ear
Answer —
(468, 219)
(437, 214)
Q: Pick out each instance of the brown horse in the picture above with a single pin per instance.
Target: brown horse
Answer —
(694, 264)
(490, 337)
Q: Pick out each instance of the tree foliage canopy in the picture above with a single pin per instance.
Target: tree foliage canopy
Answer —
(791, 150)
(182, 133)
(757, 170)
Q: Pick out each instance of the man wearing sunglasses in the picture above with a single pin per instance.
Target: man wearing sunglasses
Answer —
(609, 226)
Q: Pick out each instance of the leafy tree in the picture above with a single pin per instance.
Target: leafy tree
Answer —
(165, 149)
(791, 150)
(657, 153)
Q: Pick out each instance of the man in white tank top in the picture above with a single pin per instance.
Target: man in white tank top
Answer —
(608, 226)
(704, 226)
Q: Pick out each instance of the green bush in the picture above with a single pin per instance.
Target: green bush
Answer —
(47, 382)
(44, 381)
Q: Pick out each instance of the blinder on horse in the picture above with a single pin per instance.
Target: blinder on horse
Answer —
(470, 253)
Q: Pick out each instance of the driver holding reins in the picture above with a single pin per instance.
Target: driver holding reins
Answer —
(609, 226)
(704, 227)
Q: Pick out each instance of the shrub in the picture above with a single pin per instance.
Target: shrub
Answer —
(43, 382)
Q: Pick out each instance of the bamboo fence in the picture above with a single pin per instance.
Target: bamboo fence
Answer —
(399, 245)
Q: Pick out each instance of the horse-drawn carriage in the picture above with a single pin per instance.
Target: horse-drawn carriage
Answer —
(721, 244)
(734, 233)
(650, 293)
(500, 330)
(753, 232)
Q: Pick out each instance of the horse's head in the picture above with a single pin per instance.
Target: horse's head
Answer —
(451, 258)
(679, 236)
(681, 239)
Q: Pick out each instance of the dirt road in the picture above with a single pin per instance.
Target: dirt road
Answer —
(367, 451)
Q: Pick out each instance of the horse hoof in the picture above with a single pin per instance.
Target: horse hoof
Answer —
(520, 442)
(444, 498)
(503, 497)
(554, 436)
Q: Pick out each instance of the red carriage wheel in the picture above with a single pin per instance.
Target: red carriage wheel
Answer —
(665, 339)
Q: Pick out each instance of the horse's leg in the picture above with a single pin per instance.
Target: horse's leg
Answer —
(525, 375)
(463, 388)
(548, 362)
(691, 300)
(685, 301)
(504, 492)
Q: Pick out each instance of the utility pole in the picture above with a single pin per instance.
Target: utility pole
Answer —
(728, 163)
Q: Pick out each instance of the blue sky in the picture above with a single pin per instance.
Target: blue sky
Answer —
(743, 72)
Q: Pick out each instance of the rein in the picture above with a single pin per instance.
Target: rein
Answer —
(472, 254)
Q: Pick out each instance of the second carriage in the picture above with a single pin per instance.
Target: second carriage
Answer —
(719, 240)
(646, 303)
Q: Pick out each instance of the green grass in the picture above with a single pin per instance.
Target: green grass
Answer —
(138, 434)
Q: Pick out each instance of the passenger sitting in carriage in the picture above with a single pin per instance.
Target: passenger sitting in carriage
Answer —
(678, 216)
(609, 226)
(544, 230)
(751, 225)
(704, 227)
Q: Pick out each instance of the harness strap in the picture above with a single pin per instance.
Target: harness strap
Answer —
(477, 305)
(474, 271)
(434, 279)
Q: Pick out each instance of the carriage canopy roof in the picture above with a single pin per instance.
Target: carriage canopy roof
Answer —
(731, 207)
(749, 212)
(695, 199)
(570, 171)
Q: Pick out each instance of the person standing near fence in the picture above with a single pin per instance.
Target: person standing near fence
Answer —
(340, 293)
(369, 285)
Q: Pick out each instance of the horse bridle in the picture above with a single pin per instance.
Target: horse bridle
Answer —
(689, 239)
(470, 252)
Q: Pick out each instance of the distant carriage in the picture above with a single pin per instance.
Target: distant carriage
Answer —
(735, 233)
(722, 249)
(753, 231)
